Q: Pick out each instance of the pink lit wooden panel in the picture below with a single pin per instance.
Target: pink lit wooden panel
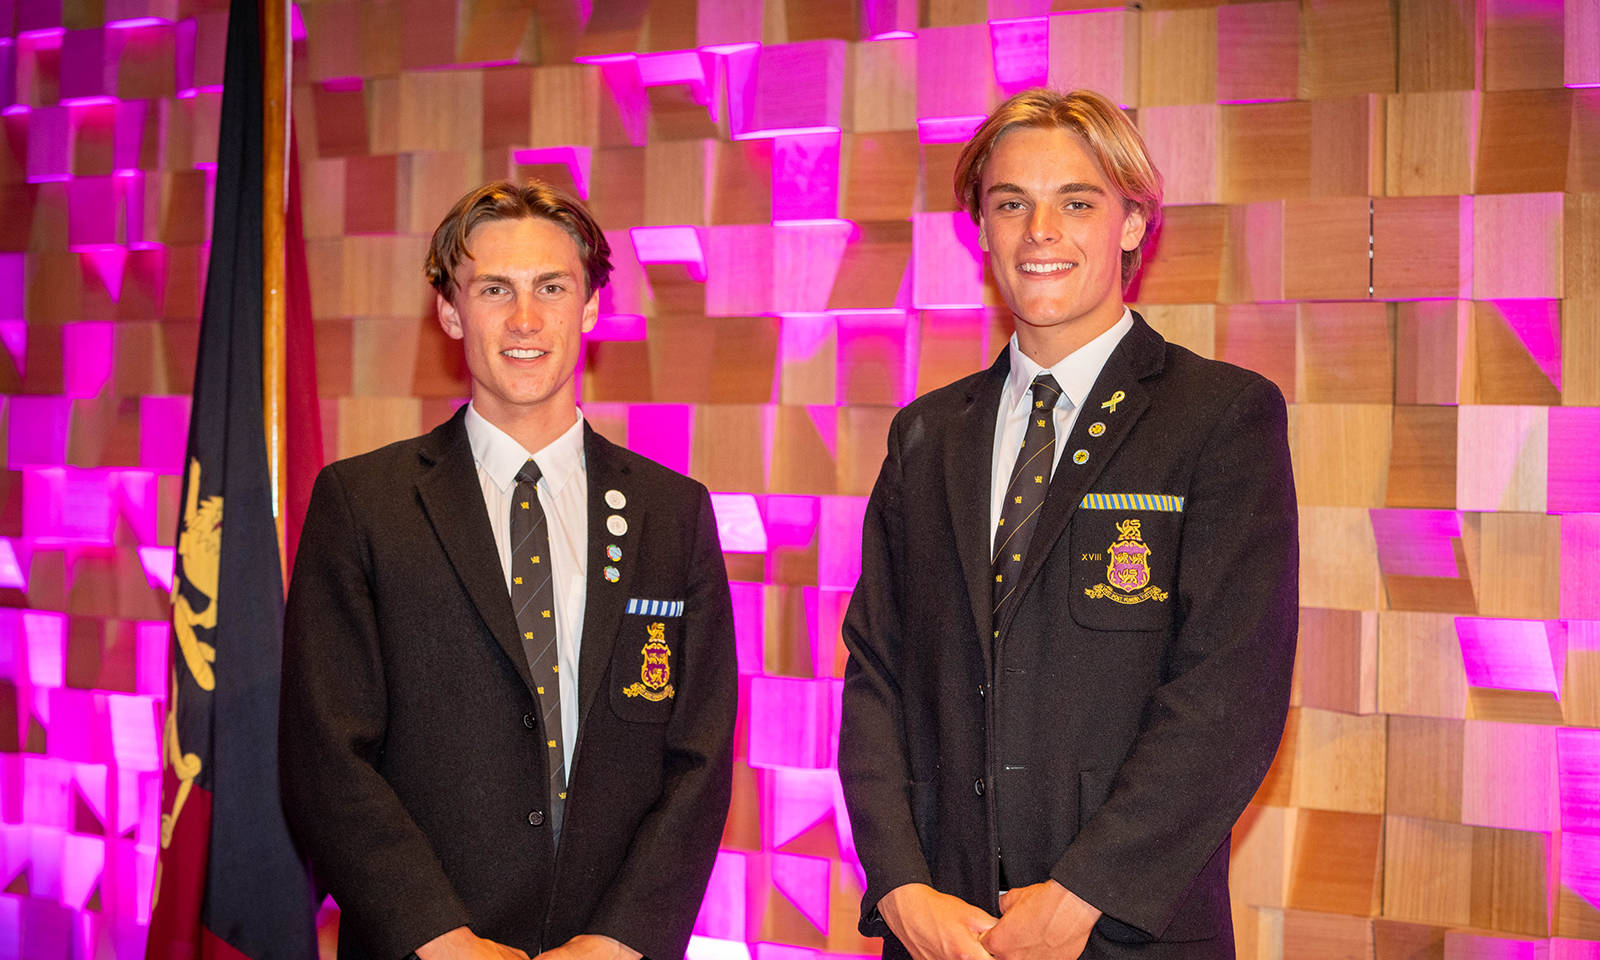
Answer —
(1258, 51)
(1097, 50)
(1517, 249)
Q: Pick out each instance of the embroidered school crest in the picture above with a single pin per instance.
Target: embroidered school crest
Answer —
(1128, 569)
(656, 671)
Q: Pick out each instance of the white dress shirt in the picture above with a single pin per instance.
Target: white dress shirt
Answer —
(564, 495)
(1075, 374)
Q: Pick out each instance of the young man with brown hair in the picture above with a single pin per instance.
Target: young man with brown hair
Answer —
(509, 680)
(1072, 639)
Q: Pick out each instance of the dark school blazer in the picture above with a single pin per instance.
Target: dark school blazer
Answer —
(1133, 701)
(412, 757)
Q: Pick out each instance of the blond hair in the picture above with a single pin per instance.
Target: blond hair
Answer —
(1112, 140)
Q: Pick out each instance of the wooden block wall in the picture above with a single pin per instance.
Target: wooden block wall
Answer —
(1392, 210)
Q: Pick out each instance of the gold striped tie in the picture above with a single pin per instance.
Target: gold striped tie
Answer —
(1030, 478)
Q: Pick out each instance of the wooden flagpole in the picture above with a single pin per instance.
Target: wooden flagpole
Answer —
(275, 128)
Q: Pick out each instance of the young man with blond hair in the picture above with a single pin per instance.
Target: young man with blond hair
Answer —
(1072, 639)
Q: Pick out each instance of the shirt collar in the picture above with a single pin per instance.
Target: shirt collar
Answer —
(1075, 373)
(501, 457)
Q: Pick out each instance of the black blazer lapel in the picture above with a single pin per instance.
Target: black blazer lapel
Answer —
(604, 599)
(448, 489)
(1116, 400)
(968, 459)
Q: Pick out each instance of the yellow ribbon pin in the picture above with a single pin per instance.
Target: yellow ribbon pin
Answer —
(1116, 398)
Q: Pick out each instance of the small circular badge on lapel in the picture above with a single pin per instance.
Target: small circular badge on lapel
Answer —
(613, 574)
(613, 552)
(1080, 457)
(616, 525)
(615, 500)
(1096, 429)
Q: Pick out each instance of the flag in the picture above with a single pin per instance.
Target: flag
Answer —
(302, 415)
(229, 883)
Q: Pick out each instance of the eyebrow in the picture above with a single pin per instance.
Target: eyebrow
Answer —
(505, 281)
(1074, 187)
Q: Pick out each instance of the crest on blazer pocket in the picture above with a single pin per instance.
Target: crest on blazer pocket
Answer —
(1127, 569)
(655, 671)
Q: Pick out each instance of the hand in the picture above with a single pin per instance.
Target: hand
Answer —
(462, 944)
(1044, 921)
(591, 946)
(934, 925)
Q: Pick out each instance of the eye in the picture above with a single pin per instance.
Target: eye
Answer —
(1009, 205)
(1079, 205)
(492, 290)
(552, 289)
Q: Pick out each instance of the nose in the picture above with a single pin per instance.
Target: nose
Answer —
(1042, 225)
(525, 316)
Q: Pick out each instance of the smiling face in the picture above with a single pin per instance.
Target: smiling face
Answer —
(519, 308)
(1054, 229)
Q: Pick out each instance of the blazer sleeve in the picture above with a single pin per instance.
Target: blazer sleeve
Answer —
(652, 904)
(874, 768)
(1211, 729)
(363, 845)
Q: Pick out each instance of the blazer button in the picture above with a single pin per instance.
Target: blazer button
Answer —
(536, 818)
(527, 720)
(977, 786)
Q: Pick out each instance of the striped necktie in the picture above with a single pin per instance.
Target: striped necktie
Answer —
(533, 597)
(1030, 478)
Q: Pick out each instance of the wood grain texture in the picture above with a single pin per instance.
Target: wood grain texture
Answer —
(1258, 51)
(1178, 57)
(1347, 47)
(1096, 51)
(1431, 143)
(1341, 453)
(1338, 864)
(1440, 44)
(1420, 669)
(1422, 463)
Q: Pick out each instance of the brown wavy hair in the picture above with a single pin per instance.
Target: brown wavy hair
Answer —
(504, 200)
(1108, 133)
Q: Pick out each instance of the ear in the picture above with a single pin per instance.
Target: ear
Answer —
(983, 234)
(1133, 226)
(449, 320)
(591, 312)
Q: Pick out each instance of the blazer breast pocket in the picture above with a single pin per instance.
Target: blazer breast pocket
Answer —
(1125, 560)
(647, 661)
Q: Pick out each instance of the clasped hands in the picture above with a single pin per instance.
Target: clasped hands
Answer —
(462, 944)
(1044, 921)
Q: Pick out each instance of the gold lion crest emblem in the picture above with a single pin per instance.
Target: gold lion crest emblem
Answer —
(655, 673)
(1127, 569)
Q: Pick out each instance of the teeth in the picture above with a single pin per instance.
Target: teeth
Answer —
(1045, 267)
(523, 354)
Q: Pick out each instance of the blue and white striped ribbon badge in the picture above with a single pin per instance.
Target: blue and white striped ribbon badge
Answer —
(656, 608)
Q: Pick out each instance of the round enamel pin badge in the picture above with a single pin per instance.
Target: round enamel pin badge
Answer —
(616, 525)
(615, 500)
(613, 552)
(1096, 429)
(1080, 457)
(613, 574)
